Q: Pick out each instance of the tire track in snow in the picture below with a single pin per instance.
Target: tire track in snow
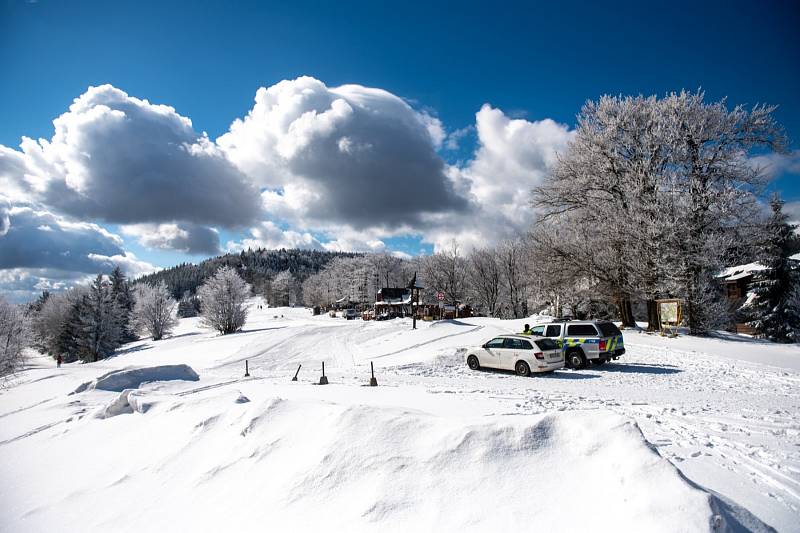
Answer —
(433, 341)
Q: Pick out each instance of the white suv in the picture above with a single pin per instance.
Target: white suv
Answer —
(521, 353)
(582, 341)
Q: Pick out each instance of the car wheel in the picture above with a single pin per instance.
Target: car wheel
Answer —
(576, 360)
(473, 362)
(522, 369)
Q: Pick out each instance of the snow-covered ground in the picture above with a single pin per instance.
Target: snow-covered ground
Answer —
(679, 435)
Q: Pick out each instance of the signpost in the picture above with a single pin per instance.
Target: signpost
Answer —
(440, 296)
(415, 288)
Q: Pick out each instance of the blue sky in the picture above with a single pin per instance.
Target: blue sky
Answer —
(529, 61)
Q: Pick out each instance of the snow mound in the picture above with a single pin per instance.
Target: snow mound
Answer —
(308, 465)
(119, 380)
(128, 401)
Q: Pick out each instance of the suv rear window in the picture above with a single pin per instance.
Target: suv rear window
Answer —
(609, 329)
(581, 330)
(547, 344)
(553, 331)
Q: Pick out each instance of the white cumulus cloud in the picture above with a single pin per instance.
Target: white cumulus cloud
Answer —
(344, 156)
(122, 159)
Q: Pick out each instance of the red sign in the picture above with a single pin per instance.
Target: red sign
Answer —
(440, 296)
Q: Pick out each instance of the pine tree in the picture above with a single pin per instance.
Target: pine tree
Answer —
(774, 307)
(189, 306)
(100, 332)
(70, 331)
(121, 292)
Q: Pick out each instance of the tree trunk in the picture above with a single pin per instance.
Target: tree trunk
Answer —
(653, 322)
(626, 313)
(693, 303)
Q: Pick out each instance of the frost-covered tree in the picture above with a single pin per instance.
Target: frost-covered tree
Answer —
(773, 310)
(514, 277)
(483, 280)
(565, 278)
(223, 298)
(98, 331)
(599, 187)
(446, 271)
(154, 310)
(387, 269)
(15, 336)
(50, 322)
(712, 185)
(282, 287)
(656, 191)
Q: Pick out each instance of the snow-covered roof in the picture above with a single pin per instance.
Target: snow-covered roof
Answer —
(740, 271)
(395, 301)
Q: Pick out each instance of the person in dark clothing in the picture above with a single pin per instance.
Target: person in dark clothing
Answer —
(58, 360)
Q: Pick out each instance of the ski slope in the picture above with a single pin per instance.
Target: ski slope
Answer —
(680, 435)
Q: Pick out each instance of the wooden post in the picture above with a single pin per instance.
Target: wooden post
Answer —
(323, 380)
(295, 374)
(246, 369)
(372, 381)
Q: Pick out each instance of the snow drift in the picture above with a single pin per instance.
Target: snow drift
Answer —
(214, 464)
(128, 401)
(119, 380)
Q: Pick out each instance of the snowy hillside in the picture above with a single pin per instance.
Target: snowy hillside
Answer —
(679, 435)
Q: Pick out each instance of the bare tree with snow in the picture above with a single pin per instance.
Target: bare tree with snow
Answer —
(483, 275)
(15, 336)
(281, 289)
(50, 322)
(154, 309)
(223, 298)
(446, 272)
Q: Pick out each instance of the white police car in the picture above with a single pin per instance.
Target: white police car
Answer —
(521, 353)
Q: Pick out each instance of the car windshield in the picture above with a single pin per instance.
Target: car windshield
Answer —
(609, 329)
(547, 344)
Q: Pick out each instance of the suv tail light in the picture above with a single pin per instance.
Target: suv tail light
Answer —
(538, 355)
(602, 345)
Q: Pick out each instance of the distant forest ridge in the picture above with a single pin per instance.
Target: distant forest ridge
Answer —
(256, 266)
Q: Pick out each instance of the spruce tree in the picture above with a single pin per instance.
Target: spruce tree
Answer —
(100, 332)
(121, 292)
(773, 308)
